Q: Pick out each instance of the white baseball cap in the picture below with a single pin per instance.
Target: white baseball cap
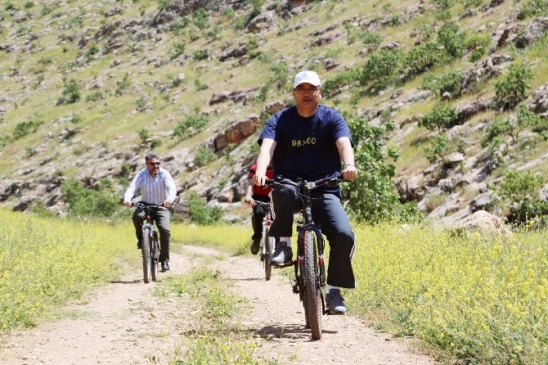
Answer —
(307, 77)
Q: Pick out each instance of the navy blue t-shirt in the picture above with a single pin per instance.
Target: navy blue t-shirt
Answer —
(305, 146)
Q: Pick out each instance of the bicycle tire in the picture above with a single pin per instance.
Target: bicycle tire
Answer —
(269, 243)
(147, 259)
(313, 294)
(154, 254)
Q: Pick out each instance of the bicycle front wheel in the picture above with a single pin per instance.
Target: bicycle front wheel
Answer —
(147, 259)
(154, 255)
(269, 243)
(313, 302)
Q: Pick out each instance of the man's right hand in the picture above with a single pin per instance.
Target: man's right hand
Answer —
(249, 201)
(127, 204)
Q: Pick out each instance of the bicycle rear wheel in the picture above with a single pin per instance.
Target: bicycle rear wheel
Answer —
(312, 291)
(269, 250)
(147, 259)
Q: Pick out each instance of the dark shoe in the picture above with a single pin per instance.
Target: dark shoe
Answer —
(165, 266)
(335, 302)
(255, 246)
(139, 244)
(282, 256)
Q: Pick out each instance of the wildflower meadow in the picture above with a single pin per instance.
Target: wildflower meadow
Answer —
(45, 262)
(473, 297)
(479, 298)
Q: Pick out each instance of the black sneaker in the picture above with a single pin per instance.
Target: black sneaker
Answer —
(335, 302)
(255, 246)
(165, 266)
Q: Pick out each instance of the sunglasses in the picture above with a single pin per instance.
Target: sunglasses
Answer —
(154, 163)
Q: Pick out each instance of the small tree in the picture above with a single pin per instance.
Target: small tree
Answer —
(513, 87)
(520, 191)
(200, 213)
(84, 201)
(373, 197)
(441, 117)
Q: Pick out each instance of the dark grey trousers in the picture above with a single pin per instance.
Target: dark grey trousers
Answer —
(162, 219)
(329, 214)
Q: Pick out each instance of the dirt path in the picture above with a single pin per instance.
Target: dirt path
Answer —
(124, 323)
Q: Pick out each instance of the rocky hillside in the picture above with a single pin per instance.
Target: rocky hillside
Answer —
(89, 87)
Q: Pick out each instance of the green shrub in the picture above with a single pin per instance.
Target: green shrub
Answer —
(520, 191)
(512, 88)
(25, 128)
(478, 46)
(204, 156)
(144, 134)
(71, 92)
(190, 126)
(441, 117)
(201, 54)
(344, 78)
(452, 39)
(84, 201)
(420, 59)
(380, 65)
(123, 85)
(437, 149)
(200, 213)
(449, 82)
(94, 96)
(372, 197)
(371, 39)
(200, 18)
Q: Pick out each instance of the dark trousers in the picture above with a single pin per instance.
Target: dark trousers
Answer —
(327, 212)
(162, 219)
(257, 216)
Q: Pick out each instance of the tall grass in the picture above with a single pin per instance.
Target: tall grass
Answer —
(234, 239)
(44, 263)
(481, 299)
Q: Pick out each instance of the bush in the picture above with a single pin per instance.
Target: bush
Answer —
(204, 156)
(420, 59)
(84, 201)
(71, 92)
(199, 213)
(190, 126)
(25, 128)
(449, 82)
(452, 39)
(380, 65)
(520, 191)
(372, 197)
(441, 117)
(512, 88)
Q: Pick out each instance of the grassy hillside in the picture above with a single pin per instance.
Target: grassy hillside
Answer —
(88, 86)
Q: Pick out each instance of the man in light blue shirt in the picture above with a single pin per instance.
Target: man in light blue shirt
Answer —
(157, 188)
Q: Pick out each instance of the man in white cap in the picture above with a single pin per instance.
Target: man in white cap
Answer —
(311, 141)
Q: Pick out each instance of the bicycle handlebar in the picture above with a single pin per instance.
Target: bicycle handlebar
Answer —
(279, 182)
(264, 204)
(146, 205)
